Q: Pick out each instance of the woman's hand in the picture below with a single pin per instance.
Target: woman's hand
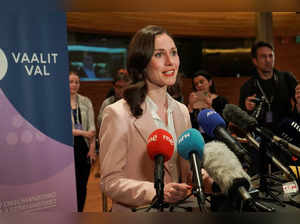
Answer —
(86, 134)
(192, 99)
(89, 134)
(76, 132)
(92, 155)
(207, 182)
(174, 192)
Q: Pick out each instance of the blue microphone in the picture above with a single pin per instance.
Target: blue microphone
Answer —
(191, 141)
(190, 146)
(214, 125)
(220, 163)
(209, 120)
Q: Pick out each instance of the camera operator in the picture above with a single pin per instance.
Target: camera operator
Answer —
(267, 95)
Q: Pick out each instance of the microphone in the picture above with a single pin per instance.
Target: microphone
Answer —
(226, 170)
(190, 147)
(236, 115)
(290, 131)
(160, 148)
(220, 163)
(241, 118)
(273, 158)
(214, 125)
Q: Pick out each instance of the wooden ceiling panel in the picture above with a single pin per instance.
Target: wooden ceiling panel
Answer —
(202, 24)
(184, 6)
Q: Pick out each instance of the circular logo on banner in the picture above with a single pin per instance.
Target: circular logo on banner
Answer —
(3, 64)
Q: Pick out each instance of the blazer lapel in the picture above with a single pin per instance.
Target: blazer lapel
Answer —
(145, 124)
(178, 120)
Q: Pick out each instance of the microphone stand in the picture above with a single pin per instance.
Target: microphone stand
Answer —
(156, 204)
(196, 166)
(264, 184)
(158, 201)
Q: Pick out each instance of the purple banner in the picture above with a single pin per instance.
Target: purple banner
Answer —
(36, 143)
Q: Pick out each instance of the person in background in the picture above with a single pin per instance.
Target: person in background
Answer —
(204, 96)
(83, 130)
(267, 95)
(121, 82)
(127, 172)
(111, 92)
(297, 97)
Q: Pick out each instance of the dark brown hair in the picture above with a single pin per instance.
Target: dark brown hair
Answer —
(140, 52)
(208, 77)
(259, 45)
(122, 75)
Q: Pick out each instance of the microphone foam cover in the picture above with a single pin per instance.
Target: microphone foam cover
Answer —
(190, 141)
(223, 166)
(208, 120)
(160, 142)
(233, 113)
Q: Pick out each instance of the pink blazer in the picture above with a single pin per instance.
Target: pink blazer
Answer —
(127, 172)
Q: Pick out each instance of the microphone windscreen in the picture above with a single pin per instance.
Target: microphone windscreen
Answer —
(160, 142)
(208, 120)
(233, 113)
(190, 141)
(223, 166)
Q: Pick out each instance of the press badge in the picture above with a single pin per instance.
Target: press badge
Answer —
(269, 117)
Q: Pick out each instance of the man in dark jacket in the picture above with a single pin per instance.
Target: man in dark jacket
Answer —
(268, 95)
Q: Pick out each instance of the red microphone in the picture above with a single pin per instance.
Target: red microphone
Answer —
(160, 148)
(160, 142)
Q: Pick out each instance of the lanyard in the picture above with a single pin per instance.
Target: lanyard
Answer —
(77, 116)
(263, 93)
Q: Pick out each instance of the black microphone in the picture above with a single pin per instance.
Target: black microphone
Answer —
(214, 125)
(247, 123)
(275, 161)
(289, 129)
(236, 115)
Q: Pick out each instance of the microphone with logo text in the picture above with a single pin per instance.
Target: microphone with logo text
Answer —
(289, 129)
(236, 115)
(220, 163)
(214, 125)
(190, 147)
(160, 148)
